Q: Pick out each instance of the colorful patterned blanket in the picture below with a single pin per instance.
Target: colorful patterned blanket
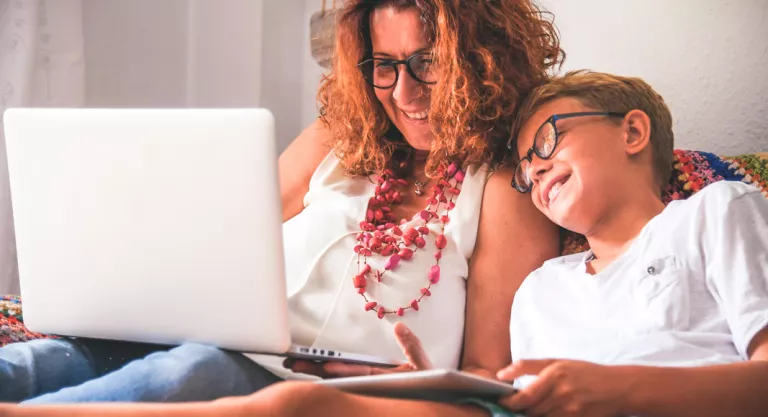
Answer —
(692, 171)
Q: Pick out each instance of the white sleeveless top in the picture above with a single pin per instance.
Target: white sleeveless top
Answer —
(325, 309)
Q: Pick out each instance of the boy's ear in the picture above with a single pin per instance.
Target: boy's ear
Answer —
(637, 126)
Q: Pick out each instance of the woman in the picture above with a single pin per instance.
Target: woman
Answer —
(414, 115)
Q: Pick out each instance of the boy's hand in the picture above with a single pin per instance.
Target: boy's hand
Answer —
(567, 388)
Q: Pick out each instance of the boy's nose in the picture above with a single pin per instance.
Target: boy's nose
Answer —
(538, 168)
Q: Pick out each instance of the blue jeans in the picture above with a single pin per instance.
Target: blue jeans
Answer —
(82, 370)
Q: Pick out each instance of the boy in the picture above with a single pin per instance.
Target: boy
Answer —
(666, 314)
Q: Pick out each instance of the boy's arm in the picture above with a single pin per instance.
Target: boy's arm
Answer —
(739, 389)
(581, 388)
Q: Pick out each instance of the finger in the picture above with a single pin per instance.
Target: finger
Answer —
(340, 369)
(411, 346)
(307, 367)
(532, 395)
(406, 367)
(550, 405)
(524, 367)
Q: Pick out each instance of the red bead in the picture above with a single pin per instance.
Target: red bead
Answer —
(426, 292)
(370, 306)
(386, 186)
(443, 198)
(452, 168)
(378, 215)
(358, 248)
(360, 236)
(392, 262)
(361, 290)
(369, 216)
(389, 225)
(459, 176)
(438, 255)
(386, 209)
(451, 205)
(388, 250)
(380, 199)
(445, 218)
(420, 242)
(377, 190)
(366, 252)
(407, 241)
(377, 275)
(441, 241)
(424, 230)
(366, 269)
(374, 243)
(425, 215)
(411, 233)
(454, 191)
(359, 281)
(381, 312)
(400, 311)
(402, 181)
(389, 240)
(434, 274)
(415, 305)
(406, 254)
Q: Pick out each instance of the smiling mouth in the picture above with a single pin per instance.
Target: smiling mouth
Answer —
(418, 116)
(554, 189)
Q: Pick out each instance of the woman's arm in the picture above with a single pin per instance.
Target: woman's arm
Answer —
(297, 164)
(513, 239)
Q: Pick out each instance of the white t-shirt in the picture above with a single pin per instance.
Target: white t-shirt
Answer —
(325, 309)
(691, 290)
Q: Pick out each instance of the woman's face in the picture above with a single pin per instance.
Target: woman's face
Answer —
(397, 35)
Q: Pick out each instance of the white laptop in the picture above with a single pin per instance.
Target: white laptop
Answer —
(157, 226)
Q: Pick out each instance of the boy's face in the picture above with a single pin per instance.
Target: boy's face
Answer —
(573, 187)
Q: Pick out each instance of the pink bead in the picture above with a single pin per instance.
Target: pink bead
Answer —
(434, 274)
(381, 312)
(366, 269)
(415, 305)
(420, 242)
(392, 262)
(451, 170)
(370, 306)
(438, 255)
(426, 292)
(441, 242)
(459, 176)
(386, 186)
(406, 254)
(425, 215)
(400, 311)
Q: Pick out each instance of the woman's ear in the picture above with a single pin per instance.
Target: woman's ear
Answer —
(637, 127)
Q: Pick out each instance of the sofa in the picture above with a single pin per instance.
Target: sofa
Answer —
(692, 171)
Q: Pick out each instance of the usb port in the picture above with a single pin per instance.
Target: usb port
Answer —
(331, 353)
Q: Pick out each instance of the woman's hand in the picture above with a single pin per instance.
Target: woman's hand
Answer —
(567, 388)
(409, 343)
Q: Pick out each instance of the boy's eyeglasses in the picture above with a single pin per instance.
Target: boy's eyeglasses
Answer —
(544, 144)
(383, 73)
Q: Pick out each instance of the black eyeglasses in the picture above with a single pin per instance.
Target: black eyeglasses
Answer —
(383, 73)
(544, 144)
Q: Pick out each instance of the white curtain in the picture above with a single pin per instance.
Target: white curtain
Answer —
(41, 64)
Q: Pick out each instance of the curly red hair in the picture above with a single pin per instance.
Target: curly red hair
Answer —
(489, 54)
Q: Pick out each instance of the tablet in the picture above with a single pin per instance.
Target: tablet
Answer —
(433, 385)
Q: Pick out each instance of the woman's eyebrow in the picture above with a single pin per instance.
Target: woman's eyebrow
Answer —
(390, 56)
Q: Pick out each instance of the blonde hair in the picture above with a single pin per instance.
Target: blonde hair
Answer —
(607, 92)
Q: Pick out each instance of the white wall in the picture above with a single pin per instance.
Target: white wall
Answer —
(173, 53)
(708, 58)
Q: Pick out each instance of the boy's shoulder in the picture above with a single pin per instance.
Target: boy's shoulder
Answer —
(723, 192)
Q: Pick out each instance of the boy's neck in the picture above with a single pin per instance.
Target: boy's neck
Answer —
(616, 231)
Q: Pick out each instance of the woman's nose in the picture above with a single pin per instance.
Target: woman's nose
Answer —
(406, 89)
